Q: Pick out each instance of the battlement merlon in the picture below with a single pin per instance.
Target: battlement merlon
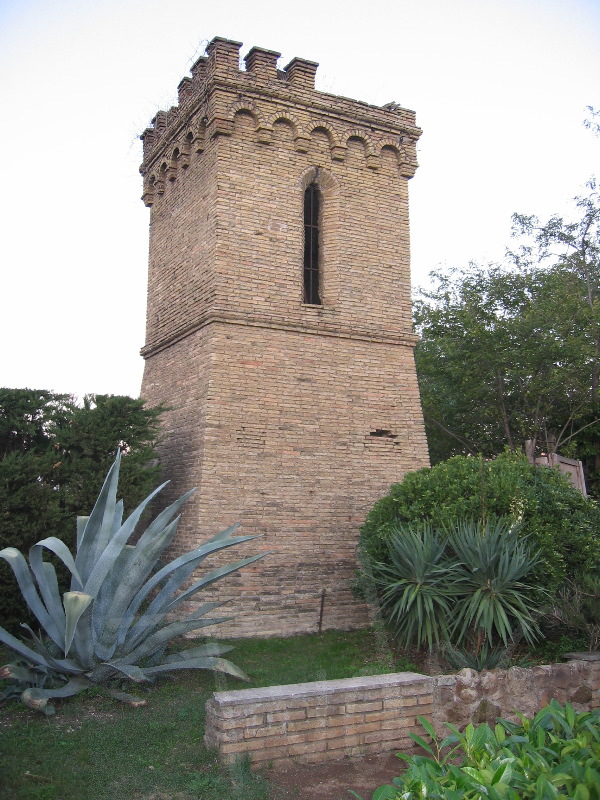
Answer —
(217, 83)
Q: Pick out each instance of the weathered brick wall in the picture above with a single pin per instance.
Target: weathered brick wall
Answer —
(321, 721)
(329, 720)
(293, 418)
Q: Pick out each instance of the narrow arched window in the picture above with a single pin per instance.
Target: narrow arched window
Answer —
(311, 245)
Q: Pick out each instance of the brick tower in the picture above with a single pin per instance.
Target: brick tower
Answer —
(279, 324)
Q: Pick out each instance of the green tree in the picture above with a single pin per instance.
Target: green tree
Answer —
(53, 454)
(511, 353)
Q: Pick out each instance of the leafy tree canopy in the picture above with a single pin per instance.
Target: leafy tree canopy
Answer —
(53, 454)
(512, 352)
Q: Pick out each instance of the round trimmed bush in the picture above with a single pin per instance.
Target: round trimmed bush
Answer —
(563, 524)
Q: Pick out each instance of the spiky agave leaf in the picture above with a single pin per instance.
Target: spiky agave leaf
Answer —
(132, 570)
(105, 597)
(108, 556)
(97, 531)
(216, 664)
(175, 574)
(20, 673)
(75, 604)
(178, 571)
(60, 665)
(193, 622)
(165, 603)
(203, 650)
(37, 699)
(32, 656)
(23, 574)
(129, 568)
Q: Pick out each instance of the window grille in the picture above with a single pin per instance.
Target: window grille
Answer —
(311, 245)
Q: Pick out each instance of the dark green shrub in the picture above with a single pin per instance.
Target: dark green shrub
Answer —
(576, 610)
(563, 524)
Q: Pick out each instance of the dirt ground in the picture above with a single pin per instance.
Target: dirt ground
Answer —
(334, 780)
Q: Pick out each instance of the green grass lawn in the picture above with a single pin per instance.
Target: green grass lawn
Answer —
(96, 748)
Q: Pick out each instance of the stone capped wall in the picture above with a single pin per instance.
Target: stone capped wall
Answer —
(330, 720)
(293, 418)
(320, 721)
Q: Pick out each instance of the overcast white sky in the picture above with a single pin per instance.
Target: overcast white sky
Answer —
(499, 86)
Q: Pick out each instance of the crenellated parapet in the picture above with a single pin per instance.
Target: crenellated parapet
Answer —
(218, 90)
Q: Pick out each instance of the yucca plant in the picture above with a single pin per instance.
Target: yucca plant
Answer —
(498, 603)
(461, 586)
(117, 618)
(417, 586)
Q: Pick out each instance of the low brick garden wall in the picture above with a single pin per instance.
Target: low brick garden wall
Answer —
(329, 720)
(320, 721)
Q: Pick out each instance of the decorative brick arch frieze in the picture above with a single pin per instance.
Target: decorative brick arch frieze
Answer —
(154, 184)
(300, 137)
(190, 142)
(263, 128)
(371, 154)
(199, 136)
(289, 118)
(186, 145)
(406, 153)
(357, 133)
(336, 148)
(172, 164)
(408, 168)
(246, 106)
(150, 190)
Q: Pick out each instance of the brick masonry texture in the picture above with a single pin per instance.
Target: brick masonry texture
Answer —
(320, 721)
(292, 418)
(329, 720)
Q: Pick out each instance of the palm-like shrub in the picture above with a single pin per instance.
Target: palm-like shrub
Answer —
(116, 620)
(416, 586)
(496, 600)
(562, 524)
(466, 587)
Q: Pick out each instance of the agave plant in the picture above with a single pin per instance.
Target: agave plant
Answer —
(117, 618)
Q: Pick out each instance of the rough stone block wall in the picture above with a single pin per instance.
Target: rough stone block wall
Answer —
(471, 696)
(329, 720)
(291, 417)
